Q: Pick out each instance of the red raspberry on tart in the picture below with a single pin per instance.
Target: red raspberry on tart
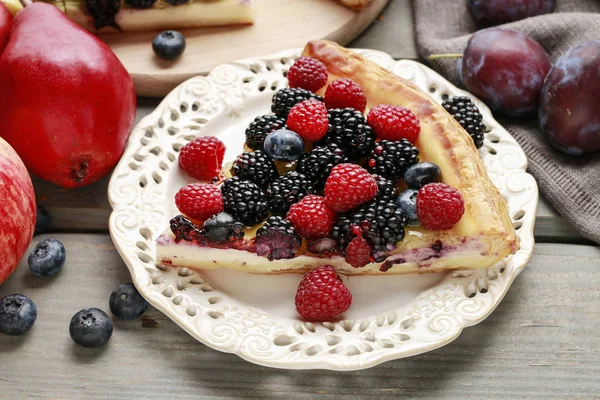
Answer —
(199, 201)
(439, 206)
(349, 186)
(311, 217)
(394, 123)
(321, 295)
(202, 158)
(309, 119)
(307, 73)
(345, 93)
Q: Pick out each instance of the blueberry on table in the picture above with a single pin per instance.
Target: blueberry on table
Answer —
(168, 45)
(284, 145)
(420, 174)
(127, 303)
(47, 258)
(91, 328)
(407, 202)
(17, 314)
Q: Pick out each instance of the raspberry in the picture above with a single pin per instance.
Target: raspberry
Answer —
(309, 119)
(322, 295)
(348, 187)
(258, 130)
(202, 158)
(286, 98)
(358, 252)
(468, 116)
(244, 200)
(307, 73)
(394, 123)
(199, 201)
(317, 163)
(277, 239)
(345, 93)
(256, 167)
(439, 206)
(349, 130)
(312, 218)
(392, 159)
(287, 190)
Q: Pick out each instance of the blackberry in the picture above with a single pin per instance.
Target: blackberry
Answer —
(317, 163)
(244, 200)
(103, 12)
(140, 3)
(286, 98)
(277, 239)
(287, 190)
(468, 116)
(255, 167)
(349, 130)
(382, 224)
(177, 2)
(183, 228)
(392, 159)
(222, 228)
(258, 130)
(386, 189)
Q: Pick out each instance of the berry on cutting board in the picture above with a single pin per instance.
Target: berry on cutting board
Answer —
(321, 295)
(169, 45)
(286, 98)
(17, 314)
(127, 303)
(394, 123)
(309, 119)
(199, 201)
(468, 116)
(307, 73)
(284, 145)
(91, 327)
(407, 202)
(345, 93)
(202, 158)
(349, 186)
(258, 130)
(222, 228)
(439, 206)
(420, 174)
(312, 218)
(47, 258)
(277, 239)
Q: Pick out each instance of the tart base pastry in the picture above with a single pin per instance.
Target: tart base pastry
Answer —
(356, 5)
(483, 236)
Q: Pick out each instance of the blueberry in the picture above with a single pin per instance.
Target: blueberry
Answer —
(47, 257)
(407, 202)
(17, 314)
(421, 174)
(168, 45)
(222, 227)
(127, 303)
(43, 221)
(284, 145)
(90, 328)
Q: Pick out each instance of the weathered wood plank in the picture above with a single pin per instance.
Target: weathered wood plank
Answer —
(541, 342)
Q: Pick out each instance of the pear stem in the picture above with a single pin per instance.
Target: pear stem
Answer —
(26, 2)
(438, 56)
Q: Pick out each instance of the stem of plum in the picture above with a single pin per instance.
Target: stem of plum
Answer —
(438, 56)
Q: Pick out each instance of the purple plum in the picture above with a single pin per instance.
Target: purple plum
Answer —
(506, 69)
(487, 13)
(570, 101)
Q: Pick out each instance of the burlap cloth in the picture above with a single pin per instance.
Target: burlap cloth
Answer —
(571, 184)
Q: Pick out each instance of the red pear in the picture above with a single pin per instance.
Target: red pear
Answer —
(67, 104)
(5, 25)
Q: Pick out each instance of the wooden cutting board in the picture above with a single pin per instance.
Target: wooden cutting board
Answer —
(280, 24)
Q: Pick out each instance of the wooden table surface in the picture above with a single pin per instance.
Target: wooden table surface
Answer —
(543, 340)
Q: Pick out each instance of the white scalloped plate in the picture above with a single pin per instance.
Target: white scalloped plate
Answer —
(253, 316)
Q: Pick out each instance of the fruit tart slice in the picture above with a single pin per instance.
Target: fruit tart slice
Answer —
(144, 15)
(383, 180)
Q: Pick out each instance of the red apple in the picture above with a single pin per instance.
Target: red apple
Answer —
(17, 210)
(5, 25)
